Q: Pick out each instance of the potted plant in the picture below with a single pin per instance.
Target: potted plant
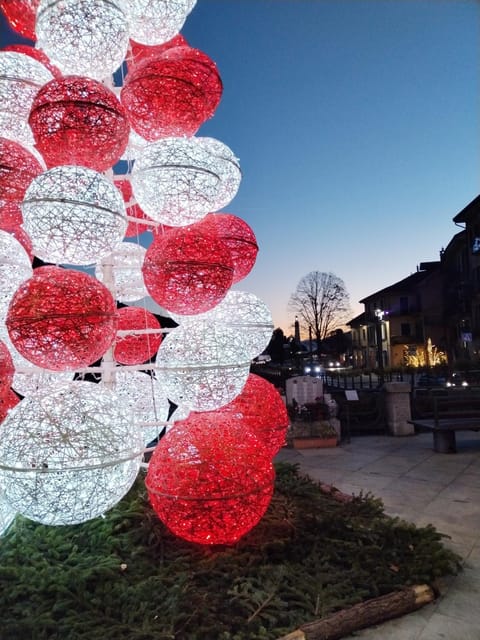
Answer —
(316, 434)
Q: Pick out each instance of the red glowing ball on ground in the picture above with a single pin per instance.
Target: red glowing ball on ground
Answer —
(20, 15)
(18, 167)
(36, 54)
(7, 402)
(62, 319)
(188, 270)
(239, 238)
(207, 481)
(171, 93)
(7, 369)
(136, 348)
(77, 120)
(133, 211)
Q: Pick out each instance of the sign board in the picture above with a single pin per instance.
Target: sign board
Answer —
(351, 394)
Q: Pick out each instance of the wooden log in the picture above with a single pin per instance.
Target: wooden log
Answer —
(364, 614)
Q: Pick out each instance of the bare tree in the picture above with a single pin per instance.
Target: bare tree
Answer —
(321, 301)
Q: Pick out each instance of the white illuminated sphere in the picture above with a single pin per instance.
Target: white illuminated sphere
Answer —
(157, 21)
(145, 399)
(73, 215)
(83, 37)
(126, 263)
(20, 79)
(177, 181)
(28, 384)
(7, 514)
(199, 366)
(68, 455)
(15, 268)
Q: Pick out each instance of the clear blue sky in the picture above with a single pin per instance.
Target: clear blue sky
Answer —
(357, 125)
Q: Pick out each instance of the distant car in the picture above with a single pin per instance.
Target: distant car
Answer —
(456, 380)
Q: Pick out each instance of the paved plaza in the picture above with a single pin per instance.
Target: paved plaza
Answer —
(423, 487)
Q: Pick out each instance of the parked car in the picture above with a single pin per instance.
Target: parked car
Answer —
(456, 380)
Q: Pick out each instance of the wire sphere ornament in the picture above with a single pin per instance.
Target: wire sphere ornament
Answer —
(36, 54)
(11, 220)
(73, 215)
(125, 262)
(15, 268)
(135, 227)
(7, 402)
(187, 270)
(83, 37)
(62, 319)
(207, 481)
(171, 93)
(177, 181)
(239, 238)
(20, 78)
(18, 167)
(77, 120)
(6, 369)
(157, 21)
(199, 366)
(143, 339)
(20, 15)
(68, 455)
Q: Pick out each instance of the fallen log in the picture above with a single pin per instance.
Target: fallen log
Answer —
(364, 614)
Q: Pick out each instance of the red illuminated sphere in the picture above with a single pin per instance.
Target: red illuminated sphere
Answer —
(188, 270)
(133, 211)
(207, 482)
(77, 120)
(171, 93)
(136, 348)
(6, 369)
(10, 221)
(61, 319)
(21, 15)
(7, 402)
(239, 238)
(18, 167)
(36, 54)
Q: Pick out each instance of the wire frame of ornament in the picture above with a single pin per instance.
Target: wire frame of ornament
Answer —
(135, 214)
(15, 267)
(154, 22)
(138, 336)
(126, 263)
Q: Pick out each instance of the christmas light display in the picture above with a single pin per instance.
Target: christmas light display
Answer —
(36, 54)
(11, 220)
(15, 267)
(18, 167)
(73, 215)
(68, 455)
(208, 480)
(187, 270)
(77, 120)
(6, 369)
(135, 227)
(157, 21)
(7, 402)
(177, 181)
(21, 15)
(61, 319)
(39, 381)
(126, 263)
(7, 514)
(140, 343)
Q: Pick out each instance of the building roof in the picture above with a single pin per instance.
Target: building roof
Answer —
(470, 211)
(357, 321)
(402, 285)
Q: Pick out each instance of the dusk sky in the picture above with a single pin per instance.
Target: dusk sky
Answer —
(357, 126)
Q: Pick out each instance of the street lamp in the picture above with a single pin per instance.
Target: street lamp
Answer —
(379, 313)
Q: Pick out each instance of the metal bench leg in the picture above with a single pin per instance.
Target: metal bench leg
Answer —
(444, 442)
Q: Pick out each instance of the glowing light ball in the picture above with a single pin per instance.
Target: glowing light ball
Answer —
(68, 455)
(20, 78)
(207, 482)
(187, 270)
(172, 93)
(146, 401)
(7, 402)
(141, 343)
(18, 167)
(10, 221)
(126, 263)
(21, 15)
(27, 384)
(36, 54)
(239, 238)
(15, 267)
(135, 227)
(177, 181)
(6, 369)
(157, 21)
(77, 120)
(199, 367)
(7, 515)
(73, 215)
(83, 37)
(61, 319)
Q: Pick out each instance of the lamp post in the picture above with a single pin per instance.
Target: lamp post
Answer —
(378, 334)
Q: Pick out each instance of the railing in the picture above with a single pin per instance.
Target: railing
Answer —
(371, 380)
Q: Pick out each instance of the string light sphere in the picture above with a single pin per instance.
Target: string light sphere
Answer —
(139, 52)
(125, 263)
(77, 120)
(20, 15)
(187, 270)
(68, 455)
(36, 54)
(83, 37)
(135, 227)
(15, 267)
(156, 21)
(199, 366)
(6, 369)
(239, 238)
(20, 78)
(207, 482)
(27, 384)
(177, 181)
(7, 402)
(11, 220)
(141, 343)
(73, 215)
(172, 93)
(18, 167)
(61, 319)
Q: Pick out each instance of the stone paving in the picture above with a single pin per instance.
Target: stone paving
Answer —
(423, 487)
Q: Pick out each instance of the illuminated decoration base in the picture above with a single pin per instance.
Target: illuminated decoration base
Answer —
(18, 167)
(73, 215)
(77, 120)
(15, 268)
(126, 263)
(208, 481)
(62, 319)
(157, 21)
(69, 455)
(187, 270)
(83, 37)
(177, 181)
(141, 343)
